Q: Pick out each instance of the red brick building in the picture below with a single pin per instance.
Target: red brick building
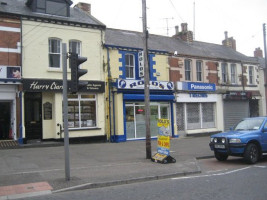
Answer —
(10, 77)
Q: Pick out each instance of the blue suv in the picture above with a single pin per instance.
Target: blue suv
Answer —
(247, 139)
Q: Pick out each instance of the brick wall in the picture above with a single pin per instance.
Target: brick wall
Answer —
(175, 69)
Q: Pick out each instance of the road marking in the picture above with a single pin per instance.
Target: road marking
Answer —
(260, 166)
(209, 175)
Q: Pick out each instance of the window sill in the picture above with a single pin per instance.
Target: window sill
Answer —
(58, 70)
(83, 129)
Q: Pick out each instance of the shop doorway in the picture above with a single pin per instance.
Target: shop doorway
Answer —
(5, 124)
(33, 116)
(135, 119)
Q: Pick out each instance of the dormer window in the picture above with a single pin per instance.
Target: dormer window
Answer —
(52, 7)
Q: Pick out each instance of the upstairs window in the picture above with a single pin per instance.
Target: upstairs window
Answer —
(187, 70)
(199, 70)
(224, 73)
(251, 75)
(52, 7)
(129, 66)
(75, 47)
(233, 74)
(54, 53)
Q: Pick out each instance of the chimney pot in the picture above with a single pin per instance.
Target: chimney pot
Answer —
(226, 34)
(184, 27)
(176, 30)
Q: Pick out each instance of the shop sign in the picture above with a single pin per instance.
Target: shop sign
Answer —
(237, 95)
(163, 149)
(195, 86)
(198, 95)
(141, 63)
(163, 137)
(43, 85)
(10, 72)
(139, 84)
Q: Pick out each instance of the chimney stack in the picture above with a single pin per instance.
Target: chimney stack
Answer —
(86, 7)
(184, 35)
(258, 53)
(229, 42)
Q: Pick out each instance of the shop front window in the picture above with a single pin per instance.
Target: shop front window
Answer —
(192, 116)
(82, 111)
(136, 122)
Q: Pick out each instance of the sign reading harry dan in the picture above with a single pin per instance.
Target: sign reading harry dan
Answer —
(42, 85)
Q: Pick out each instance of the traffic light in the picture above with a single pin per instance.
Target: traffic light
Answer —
(76, 72)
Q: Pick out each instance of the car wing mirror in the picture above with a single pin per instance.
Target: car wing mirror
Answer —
(231, 128)
(264, 130)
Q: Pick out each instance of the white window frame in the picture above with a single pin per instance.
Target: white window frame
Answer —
(251, 75)
(199, 71)
(130, 66)
(79, 99)
(58, 52)
(233, 74)
(224, 68)
(78, 45)
(188, 69)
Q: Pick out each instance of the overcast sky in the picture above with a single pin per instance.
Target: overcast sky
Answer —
(243, 19)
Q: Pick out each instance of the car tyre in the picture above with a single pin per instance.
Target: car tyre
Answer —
(220, 156)
(251, 154)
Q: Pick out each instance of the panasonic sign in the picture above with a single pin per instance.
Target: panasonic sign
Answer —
(194, 86)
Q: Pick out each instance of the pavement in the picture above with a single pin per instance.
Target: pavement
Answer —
(31, 170)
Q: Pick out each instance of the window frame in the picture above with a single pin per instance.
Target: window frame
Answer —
(79, 44)
(199, 72)
(50, 53)
(224, 70)
(188, 69)
(80, 99)
(129, 66)
(251, 75)
(233, 74)
(44, 6)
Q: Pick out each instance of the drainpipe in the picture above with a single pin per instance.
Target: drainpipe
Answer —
(114, 126)
(243, 85)
(20, 140)
(109, 94)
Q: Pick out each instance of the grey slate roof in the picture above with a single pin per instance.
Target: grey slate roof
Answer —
(131, 39)
(18, 7)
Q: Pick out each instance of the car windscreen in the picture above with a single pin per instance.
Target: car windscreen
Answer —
(249, 124)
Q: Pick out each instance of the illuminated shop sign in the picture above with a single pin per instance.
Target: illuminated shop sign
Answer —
(139, 85)
(195, 86)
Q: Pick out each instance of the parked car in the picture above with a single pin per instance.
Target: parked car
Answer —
(247, 139)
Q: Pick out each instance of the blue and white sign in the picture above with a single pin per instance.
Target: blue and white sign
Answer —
(195, 86)
(139, 84)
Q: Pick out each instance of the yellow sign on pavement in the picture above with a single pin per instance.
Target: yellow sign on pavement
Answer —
(163, 122)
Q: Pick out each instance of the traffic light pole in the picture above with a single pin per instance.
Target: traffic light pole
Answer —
(65, 112)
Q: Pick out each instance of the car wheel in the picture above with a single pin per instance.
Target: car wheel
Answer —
(220, 156)
(251, 154)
